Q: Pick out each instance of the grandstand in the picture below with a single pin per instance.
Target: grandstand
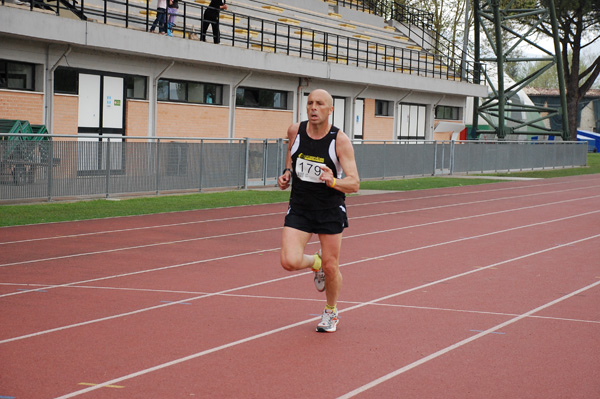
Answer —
(94, 67)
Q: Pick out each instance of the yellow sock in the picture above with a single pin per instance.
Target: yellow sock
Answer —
(332, 308)
(317, 264)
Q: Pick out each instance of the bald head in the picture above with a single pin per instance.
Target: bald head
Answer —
(321, 95)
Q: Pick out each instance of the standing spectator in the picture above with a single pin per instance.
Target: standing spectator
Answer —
(161, 17)
(211, 16)
(173, 8)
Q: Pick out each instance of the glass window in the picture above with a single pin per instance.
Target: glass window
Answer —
(445, 112)
(66, 80)
(214, 94)
(383, 108)
(162, 91)
(261, 98)
(178, 91)
(247, 97)
(190, 92)
(17, 75)
(136, 87)
(279, 100)
(196, 93)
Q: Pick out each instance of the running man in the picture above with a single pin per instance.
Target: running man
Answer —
(318, 153)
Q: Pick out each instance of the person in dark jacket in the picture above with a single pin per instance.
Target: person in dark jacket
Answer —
(211, 17)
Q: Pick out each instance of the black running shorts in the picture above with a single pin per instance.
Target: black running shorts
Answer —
(325, 221)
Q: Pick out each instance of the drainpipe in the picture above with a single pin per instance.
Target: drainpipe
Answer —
(49, 92)
(232, 104)
(396, 103)
(353, 111)
(153, 115)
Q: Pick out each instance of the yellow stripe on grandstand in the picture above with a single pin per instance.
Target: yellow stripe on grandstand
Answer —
(304, 33)
(245, 32)
(273, 8)
(289, 21)
(321, 45)
(269, 49)
(377, 47)
(229, 17)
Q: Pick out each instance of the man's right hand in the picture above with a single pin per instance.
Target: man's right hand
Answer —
(284, 180)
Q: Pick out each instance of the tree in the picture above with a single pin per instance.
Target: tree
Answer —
(579, 26)
(447, 21)
(549, 79)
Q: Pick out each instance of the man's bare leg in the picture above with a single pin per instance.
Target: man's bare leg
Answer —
(330, 247)
(293, 244)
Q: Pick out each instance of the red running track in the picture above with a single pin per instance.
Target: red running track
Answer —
(486, 291)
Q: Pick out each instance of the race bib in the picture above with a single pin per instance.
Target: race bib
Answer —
(309, 171)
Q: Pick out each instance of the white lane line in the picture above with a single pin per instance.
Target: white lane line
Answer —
(481, 192)
(106, 251)
(378, 381)
(450, 348)
(279, 213)
(164, 305)
(345, 238)
(301, 274)
(277, 228)
(297, 299)
(348, 237)
(158, 226)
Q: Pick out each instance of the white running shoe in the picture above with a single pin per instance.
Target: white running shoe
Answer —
(319, 274)
(329, 321)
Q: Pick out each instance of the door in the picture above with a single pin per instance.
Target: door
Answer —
(359, 110)
(101, 111)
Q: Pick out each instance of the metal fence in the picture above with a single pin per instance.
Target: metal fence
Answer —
(100, 166)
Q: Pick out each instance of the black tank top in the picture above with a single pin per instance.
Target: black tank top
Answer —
(308, 192)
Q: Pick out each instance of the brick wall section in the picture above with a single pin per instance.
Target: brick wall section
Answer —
(259, 123)
(191, 120)
(377, 127)
(181, 120)
(22, 106)
(136, 118)
(66, 114)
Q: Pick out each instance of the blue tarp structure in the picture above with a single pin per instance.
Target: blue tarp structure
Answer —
(593, 140)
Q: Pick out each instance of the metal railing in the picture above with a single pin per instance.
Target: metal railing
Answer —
(262, 34)
(99, 166)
